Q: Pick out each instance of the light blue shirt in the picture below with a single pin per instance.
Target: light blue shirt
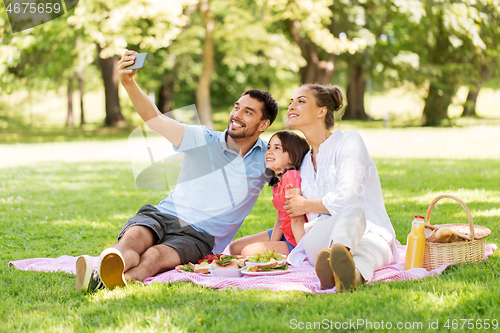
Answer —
(216, 188)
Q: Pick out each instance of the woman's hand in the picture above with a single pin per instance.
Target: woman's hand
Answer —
(295, 205)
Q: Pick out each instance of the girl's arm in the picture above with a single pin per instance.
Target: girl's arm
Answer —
(302, 206)
(298, 221)
(352, 167)
(277, 233)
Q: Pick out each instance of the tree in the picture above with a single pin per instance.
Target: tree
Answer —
(46, 59)
(446, 40)
(247, 53)
(486, 63)
(112, 25)
(370, 22)
(204, 82)
(70, 120)
(111, 79)
(331, 31)
(252, 50)
(312, 25)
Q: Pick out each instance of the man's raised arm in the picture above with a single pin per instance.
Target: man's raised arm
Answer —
(172, 130)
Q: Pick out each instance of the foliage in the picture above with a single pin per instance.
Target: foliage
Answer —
(274, 45)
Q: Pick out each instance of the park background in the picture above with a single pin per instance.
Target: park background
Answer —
(422, 81)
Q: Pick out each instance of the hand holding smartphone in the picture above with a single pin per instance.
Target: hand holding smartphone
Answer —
(140, 59)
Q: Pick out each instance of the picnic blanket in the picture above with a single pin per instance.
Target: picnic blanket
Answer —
(301, 278)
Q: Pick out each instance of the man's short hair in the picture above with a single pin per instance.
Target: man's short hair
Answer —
(270, 108)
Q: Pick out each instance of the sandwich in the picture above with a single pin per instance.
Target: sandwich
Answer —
(270, 266)
(228, 262)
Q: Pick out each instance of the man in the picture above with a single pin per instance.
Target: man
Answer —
(203, 213)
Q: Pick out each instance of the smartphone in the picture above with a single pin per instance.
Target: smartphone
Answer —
(140, 59)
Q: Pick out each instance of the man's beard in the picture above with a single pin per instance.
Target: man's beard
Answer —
(245, 131)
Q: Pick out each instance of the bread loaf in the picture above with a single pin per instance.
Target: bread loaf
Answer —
(443, 235)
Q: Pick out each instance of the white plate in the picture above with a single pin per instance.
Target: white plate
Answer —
(281, 261)
(276, 272)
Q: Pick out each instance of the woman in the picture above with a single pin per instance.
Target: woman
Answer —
(350, 234)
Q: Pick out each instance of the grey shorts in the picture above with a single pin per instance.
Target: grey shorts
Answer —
(191, 244)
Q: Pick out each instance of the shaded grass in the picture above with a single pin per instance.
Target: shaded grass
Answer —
(50, 210)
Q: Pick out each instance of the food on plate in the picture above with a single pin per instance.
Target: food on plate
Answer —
(266, 261)
(209, 258)
(271, 266)
(184, 268)
(203, 268)
(266, 256)
(213, 262)
(228, 262)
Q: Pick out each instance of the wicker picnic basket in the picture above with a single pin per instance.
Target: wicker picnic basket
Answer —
(438, 254)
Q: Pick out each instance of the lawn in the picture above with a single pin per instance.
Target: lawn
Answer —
(72, 198)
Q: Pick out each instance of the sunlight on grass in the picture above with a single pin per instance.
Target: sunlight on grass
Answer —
(463, 194)
(488, 213)
(117, 293)
(83, 223)
(449, 143)
(120, 217)
(458, 292)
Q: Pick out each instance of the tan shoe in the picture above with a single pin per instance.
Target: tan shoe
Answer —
(323, 270)
(344, 270)
(111, 268)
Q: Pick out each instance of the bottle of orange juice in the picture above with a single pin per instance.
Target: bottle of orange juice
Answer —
(415, 244)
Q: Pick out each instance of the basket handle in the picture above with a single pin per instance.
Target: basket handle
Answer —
(464, 206)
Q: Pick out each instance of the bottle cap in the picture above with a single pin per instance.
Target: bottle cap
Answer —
(419, 217)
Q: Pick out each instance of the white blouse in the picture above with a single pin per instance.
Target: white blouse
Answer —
(346, 175)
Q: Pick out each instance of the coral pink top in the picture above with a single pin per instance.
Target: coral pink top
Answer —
(290, 179)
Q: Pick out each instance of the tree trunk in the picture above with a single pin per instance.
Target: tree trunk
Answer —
(436, 103)
(80, 89)
(470, 102)
(443, 88)
(356, 93)
(110, 77)
(166, 93)
(205, 80)
(70, 121)
(316, 70)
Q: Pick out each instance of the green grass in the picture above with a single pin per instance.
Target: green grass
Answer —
(49, 209)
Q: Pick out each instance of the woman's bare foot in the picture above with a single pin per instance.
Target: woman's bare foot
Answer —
(323, 270)
(344, 270)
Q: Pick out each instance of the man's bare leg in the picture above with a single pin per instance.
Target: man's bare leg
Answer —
(126, 254)
(154, 260)
(134, 242)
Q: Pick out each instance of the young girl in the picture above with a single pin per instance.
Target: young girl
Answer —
(284, 155)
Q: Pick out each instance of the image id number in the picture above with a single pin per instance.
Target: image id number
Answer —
(33, 8)
(471, 324)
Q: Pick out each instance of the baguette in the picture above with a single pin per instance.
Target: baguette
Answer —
(443, 235)
(458, 234)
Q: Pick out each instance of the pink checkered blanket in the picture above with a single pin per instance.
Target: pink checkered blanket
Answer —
(301, 278)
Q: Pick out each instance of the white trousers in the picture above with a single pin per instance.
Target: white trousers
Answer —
(348, 227)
